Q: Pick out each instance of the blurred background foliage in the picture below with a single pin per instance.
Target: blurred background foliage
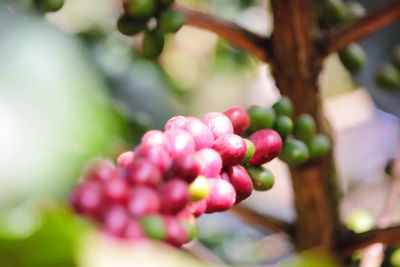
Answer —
(73, 88)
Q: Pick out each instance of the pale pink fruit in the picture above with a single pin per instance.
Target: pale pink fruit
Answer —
(218, 124)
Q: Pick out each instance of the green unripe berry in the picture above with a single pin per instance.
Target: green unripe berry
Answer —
(396, 56)
(191, 229)
(199, 188)
(395, 258)
(388, 77)
(283, 107)
(353, 57)
(304, 127)
(262, 178)
(154, 227)
(261, 118)
(250, 149)
(284, 126)
(141, 8)
(166, 2)
(294, 152)
(171, 21)
(49, 5)
(355, 10)
(389, 167)
(130, 26)
(153, 44)
(360, 221)
(319, 146)
(333, 12)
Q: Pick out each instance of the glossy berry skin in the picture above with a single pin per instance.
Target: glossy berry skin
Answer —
(294, 152)
(268, 145)
(199, 188)
(202, 136)
(100, 170)
(153, 153)
(115, 220)
(250, 149)
(175, 232)
(171, 20)
(218, 123)
(283, 125)
(127, 25)
(222, 196)
(175, 122)
(231, 148)
(156, 138)
(143, 201)
(304, 127)
(319, 146)
(388, 77)
(125, 158)
(133, 231)
(174, 196)
(115, 190)
(239, 118)
(283, 107)
(333, 12)
(87, 199)
(141, 8)
(183, 166)
(396, 56)
(261, 118)
(209, 161)
(241, 181)
(179, 142)
(49, 5)
(154, 227)
(143, 172)
(152, 44)
(198, 208)
(262, 178)
(353, 57)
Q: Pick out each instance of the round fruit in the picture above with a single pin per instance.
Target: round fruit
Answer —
(218, 123)
(143, 172)
(202, 136)
(143, 201)
(49, 5)
(396, 56)
(130, 26)
(171, 20)
(179, 142)
(115, 220)
(261, 118)
(87, 199)
(154, 227)
(304, 127)
(115, 190)
(152, 44)
(360, 221)
(241, 181)
(283, 125)
(268, 145)
(239, 118)
(294, 152)
(155, 137)
(395, 258)
(176, 234)
(126, 158)
(221, 197)
(262, 178)
(199, 188)
(319, 146)
(133, 230)
(388, 77)
(100, 170)
(183, 166)
(250, 149)
(141, 8)
(190, 229)
(353, 57)
(283, 107)
(175, 122)
(355, 10)
(174, 196)
(153, 153)
(333, 12)
(198, 208)
(231, 148)
(209, 161)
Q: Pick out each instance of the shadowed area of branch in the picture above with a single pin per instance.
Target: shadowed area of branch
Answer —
(373, 21)
(236, 35)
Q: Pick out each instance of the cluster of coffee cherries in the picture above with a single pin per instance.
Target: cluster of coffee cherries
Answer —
(155, 18)
(194, 166)
(301, 142)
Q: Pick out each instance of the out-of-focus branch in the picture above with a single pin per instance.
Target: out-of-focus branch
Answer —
(375, 20)
(197, 250)
(265, 221)
(238, 36)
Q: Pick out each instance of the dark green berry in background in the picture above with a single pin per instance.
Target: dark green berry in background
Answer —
(284, 126)
(129, 26)
(388, 77)
(353, 57)
(355, 10)
(153, 44)
(389, 167)
(141, 8)
(333, 12)
(190, 229)
(166, 2)
(262, 178)
(49, 5)
(283, 107)
(171, 20)
(154, 227)
(294, 152)
(396, 57)
(250, 149)
(319, 146)
(261, 118)
(304, 127)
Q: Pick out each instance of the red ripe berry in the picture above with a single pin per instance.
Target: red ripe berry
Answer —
(175, 122)
(154, 153)
(268, 145)
(179, 142)
(185, 167)
(175, 232)
(202, 136)
(115, 190)
(133, 230)
(218, 124)
(155, 137)
(239, 118)
(143, 172)
(231, 148)
(198, 208)
(143, 201)
(126, 158)
(99, 169)
(241, 181)
(209, 161)
(221, 197)
(114, 220)
(87, 199)
(184, 214)
(174, 196)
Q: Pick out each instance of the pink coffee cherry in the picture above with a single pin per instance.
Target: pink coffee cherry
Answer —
(114, 220)
(133, 231)
(143, 172)
(241, 181)
(209, 161)
(125, 158)
(87, 198)
(268, 145)
(174, 196)
(99, 169)
(202, 136)
(175, 122)
(231, 148)
(218, 123)
(183, 166)
(198, 208)
(222, 196)
(184, 214)
(239, 118)
(115, 190)
(179, 142)
(175, 232)
(155, 137)
(154, 153)
(143, 201)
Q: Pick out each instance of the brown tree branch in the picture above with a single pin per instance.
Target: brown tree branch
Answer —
(238, 36)
(375, 20)
(265, 221)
